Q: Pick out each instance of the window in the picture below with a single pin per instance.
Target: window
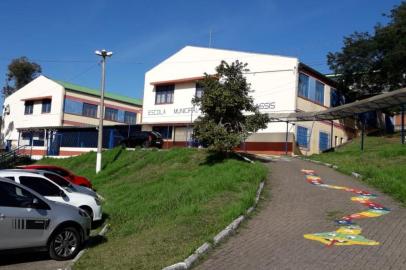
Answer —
(111, 114)
(60, 172)
(165, 131)
(319, 92)
(40, 185)
(302, 137)
(164, 94)
(29, 107)
(89, 110)
(59, 180)
(199, 90)
(303, 85)
(73, 106)
(130, 118)
(323, 141)
(14, 196)
(46, 105)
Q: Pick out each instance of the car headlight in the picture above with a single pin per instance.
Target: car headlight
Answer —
(98, 201)
(83, 213)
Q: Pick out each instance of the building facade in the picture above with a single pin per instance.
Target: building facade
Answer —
(34, 113)
(279, 85)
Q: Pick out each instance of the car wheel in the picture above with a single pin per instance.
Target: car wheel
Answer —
(65, 244)
(146, 144)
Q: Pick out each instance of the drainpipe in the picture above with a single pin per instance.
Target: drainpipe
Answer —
(332, 130)
(286, 137)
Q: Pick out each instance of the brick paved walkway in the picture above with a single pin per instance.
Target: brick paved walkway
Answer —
(273, 239)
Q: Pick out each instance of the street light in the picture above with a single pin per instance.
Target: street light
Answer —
(103, 54)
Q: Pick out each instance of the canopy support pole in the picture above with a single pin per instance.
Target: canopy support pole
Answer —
(363, 133)
(286, 137)
(402, 128)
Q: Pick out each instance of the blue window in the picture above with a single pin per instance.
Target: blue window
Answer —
(130, 118)
(29, 107)
(303, 85)
(111, 114)
(89, 110)
(46, 105)
(165, 131)
(73, 107)
(120, 116)
(324, 141)
(164, 94)
(302, 136)
(319, 98)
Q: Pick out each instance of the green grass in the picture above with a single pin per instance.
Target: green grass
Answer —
(382, 164)
(162, 205)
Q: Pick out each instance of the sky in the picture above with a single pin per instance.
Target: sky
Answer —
(62, 36)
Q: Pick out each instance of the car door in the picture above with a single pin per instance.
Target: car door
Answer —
(44, 187)
(21, 225)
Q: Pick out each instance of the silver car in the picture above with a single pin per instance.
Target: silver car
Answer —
(28, 220)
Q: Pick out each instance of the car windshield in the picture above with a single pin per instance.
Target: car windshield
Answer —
(157, 134)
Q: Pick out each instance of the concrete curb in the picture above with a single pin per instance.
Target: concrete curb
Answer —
(228, 231)
(83, 251)
(335, 167)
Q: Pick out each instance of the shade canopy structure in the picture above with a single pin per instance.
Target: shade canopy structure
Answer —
(378, 102)
(396, 98)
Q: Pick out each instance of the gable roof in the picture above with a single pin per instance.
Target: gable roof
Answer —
(94, 92)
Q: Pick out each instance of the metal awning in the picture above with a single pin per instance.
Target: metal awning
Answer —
(378, 102)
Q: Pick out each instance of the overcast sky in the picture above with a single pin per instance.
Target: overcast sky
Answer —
(61, 36)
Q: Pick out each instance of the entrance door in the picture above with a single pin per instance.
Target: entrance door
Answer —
(54, 144)
(323, 141)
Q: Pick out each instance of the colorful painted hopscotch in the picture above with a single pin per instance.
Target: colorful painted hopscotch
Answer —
(348, 233)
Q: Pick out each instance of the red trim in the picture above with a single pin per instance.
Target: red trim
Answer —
(105, 104)
(76, 124)
(265, 146)
(184, 80)
(36, 98)
(257, 147)
(81, 100)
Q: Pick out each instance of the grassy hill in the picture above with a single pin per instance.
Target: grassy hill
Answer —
(383, 163)
(162, 205)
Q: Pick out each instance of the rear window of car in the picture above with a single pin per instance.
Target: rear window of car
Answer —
(57, 171)
(60, 181)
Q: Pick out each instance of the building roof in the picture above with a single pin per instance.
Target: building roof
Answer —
(94, 92)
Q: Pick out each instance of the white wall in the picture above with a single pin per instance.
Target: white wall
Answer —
(40, 87)
(274, 87)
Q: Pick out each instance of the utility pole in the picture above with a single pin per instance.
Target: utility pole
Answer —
(103, 54)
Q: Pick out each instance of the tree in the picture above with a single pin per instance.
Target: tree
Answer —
(371, 63)
(228, 112)
(20, 72)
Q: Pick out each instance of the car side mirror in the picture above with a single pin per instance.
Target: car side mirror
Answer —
(62, 194)
(38, 204)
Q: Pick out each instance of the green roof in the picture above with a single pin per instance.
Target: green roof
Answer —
(94, 92)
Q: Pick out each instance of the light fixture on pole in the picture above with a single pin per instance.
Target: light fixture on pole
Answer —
(103, 54)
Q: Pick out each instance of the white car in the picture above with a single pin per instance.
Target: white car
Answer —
(62, 182)
(54, 192)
